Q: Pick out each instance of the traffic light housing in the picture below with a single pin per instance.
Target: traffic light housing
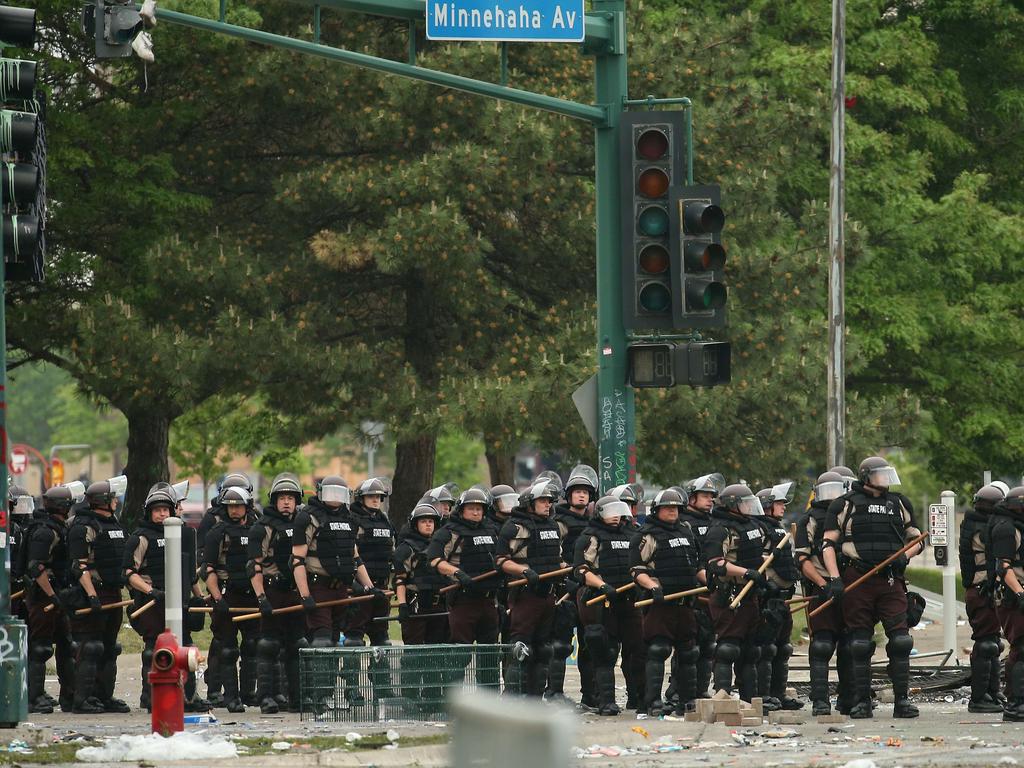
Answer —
(56, 471)
(652, 155)
(698, 257)
(114, 26)
(661, 364)
(23, 146)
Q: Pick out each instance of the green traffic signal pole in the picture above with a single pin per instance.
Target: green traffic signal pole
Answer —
(605, 38)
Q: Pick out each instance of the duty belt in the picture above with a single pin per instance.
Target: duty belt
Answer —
(326, 581)
(278, 581)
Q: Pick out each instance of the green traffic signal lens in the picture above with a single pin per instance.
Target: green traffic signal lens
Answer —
(655, 298)
(653, 221)
(654, 259)
(652, 183)
(652, 144)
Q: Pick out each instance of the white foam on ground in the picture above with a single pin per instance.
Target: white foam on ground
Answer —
(180, 746)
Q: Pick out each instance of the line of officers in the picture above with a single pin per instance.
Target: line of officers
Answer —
(584, 562)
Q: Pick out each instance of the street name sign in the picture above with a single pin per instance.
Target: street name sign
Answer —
(510, 21)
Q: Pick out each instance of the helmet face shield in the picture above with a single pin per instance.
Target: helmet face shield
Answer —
(181, 490)
(582, 475)
(77, 488)
(506, 502)
(335, 494)
(782, 492)
(713, 483)
(750, 506)
(830, 490)
(614, 509)
(23, 505)
(118, 485)
(883, 477)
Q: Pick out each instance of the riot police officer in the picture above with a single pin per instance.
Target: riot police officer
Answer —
(96, 548)
(375, 537)
(828, 635)
(774, 647)
(634, 652)
(1006, 548)
(270, 570)
(528, 547)
(20, 506)
(864, 527)
(572, 517)
(442, 498)
(47, 566)
(664, 559)
(979, 593)
(417, 584)
(464, 548)
(504, 500)
(734, 550)
(601, 564)
(227, 578)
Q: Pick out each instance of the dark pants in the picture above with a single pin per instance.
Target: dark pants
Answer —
(736, 649)
(327, 622)
(472, 619)
(49, 633)
(875, 600)
(360, 622)
(98, 649)
(531, 622)
(981, 613)
(828, 638)
(426, 631)
(607, 630)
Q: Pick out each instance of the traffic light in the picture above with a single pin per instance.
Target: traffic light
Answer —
(117, 28)
(23, 145)
(665, 364)
(56, 471)
(698, 258)
(652, 159)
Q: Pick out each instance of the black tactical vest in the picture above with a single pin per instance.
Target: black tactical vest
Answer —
(335, 538)
(975, 522)
(153, 564)
(750, 538)
(784, 564)
(818, 512)
(574, 526)
(475, 544)
(544, 549)
(700, 524)
(57, 561)
(612, 553)
(107, 547)
(377, 542)
(280, 541)
(875, 526)
(1000, 531)
(424, 577)
(236, 553)
(676, 557)
(15, 545)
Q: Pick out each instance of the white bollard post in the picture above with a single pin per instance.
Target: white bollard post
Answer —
(172, 576)
(948, 499)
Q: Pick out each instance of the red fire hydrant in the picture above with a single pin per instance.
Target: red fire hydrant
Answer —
(168, 672)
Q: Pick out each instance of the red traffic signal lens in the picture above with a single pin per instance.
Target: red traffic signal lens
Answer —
(654, 259)
(652, 144)
(655, 298)
(652, 183)
(704, 256)
(653, 221)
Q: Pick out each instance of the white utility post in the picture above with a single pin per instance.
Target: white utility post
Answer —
(172, 576)
(948, 499)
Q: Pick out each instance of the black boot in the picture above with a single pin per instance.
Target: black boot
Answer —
(604, 677)
(37, 701)
(247, 679)
(229, 679)
(291, 669)
(108, 682)
(746, 679)
(846, 695)
(588, 686)
(899, 648)
(861, 651)
(265, 668)
(981, 672)
(764, 678)
(995, 686)
(686, 679)
(818, 662)
(722, 675)
(1014, 710)
(145, 699)
(780, 678)
(86, 679)
(654, 671)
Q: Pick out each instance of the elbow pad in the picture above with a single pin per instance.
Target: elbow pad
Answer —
(829, 544)
(77, 568)
(717, 568)
(1002, 566)
(252, 568)
(297, 561)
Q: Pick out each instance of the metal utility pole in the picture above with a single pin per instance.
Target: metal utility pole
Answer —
(836, 255)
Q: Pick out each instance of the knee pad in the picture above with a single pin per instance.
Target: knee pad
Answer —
(900, 644)
(986, 647)
(783, 651)
(614, 646)
(248, 647)
(147, 656)
(597, 640)
(268, 648)
(861, 646)
(111, 651)
(40, 652)
(659, 649)
(560, 649)
(728, 651)
(822, 647)
(229, 654)
(92, 649)
(767, 652)
(707, 648)
(299, 643)
(750, 653)
(688, 654)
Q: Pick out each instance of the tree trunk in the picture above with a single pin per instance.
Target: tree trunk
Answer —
(414, 476)
(148, 437)
(502, 464)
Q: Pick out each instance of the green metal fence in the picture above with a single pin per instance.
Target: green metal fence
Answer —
(400, 682)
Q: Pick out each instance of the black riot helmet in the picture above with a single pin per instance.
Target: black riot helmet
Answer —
(58, 500)
(333, 490)
(236, 480)
(551, 476)
(100, 495)
(160, 494)
(582, 476)
(611, 507)
(374, 486)
(712, 483)
(471, 496)
(504, 499)
(424, 512)
(286, 482)
(878, 473)
(764, 496)
(1014, 501)
(829, 485)
(670, 497)
(740, 500)
(987, 497)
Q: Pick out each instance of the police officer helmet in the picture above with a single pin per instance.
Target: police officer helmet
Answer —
(608, 507)
(550, 475)
(19, 501)
(333, 489)
(235, 497)
(504, 498)
(374, 486)
(987, 497)
(441, 494)
(844, 472)
(542, 489)
(286, 482)
(160, 494)
(712, 483)
(1014, 501)
(740, 500)
(1001, 486)
(99, 494)
(582, 476)
(877, 472)
(670, 497)
(829, 485)
(236, 480)
(58, 499)
(424, 512)
(627, 493)
(765, 497)
(471, 496)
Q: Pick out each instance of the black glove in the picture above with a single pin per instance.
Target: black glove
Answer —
(771, 590)
(404, 611)
(94, 603)
(378, 594)
(833, 590)
(221, 607)
(155, 594)
(308, 604)
(658, 595)
(1020, 601)
(572, 586)
(755, 576)
(899, 566)
(266, 609)
(532, 578)
(464, 578)
(607, 590)
(56, 601)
